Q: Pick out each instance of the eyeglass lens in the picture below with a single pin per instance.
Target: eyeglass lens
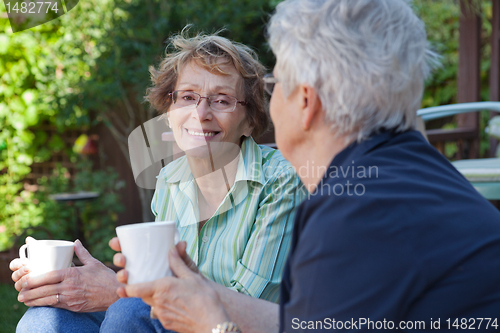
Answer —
(269, 87)
(223, 103)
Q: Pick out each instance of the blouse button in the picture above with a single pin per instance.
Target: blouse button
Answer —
(204, 239)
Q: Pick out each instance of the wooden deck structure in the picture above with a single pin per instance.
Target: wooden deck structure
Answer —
(469, 82)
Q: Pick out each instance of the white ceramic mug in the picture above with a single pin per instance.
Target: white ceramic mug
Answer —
(145, 247)
(47, 255)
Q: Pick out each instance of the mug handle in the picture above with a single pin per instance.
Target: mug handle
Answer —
(22, 251)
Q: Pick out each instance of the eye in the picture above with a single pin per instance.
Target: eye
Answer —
(187, 96)
(222, 100)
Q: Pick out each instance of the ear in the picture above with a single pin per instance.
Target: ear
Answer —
(311, 106)
(247, 131)
(167, 116)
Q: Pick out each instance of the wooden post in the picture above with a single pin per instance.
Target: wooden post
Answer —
(469, 72)
(495, 66)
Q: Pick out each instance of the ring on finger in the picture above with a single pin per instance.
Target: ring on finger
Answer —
(57, 298)
(152, 315)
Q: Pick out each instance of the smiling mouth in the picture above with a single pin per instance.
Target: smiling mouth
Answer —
(203, 133)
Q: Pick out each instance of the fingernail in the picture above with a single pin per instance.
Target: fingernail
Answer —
(20, 298)
(25, 284)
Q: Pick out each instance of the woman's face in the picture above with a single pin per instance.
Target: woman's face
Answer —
(194, 127)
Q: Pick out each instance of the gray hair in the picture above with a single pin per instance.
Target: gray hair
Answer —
(367, 60)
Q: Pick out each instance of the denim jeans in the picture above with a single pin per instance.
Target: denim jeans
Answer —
(125, 315)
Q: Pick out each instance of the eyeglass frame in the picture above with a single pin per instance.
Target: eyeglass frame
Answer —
(171, 95)
(269, 82)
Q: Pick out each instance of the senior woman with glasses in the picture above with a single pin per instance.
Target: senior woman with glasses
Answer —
(233, 200)
(410, 246)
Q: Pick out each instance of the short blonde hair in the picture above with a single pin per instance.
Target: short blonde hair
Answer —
(207, 51)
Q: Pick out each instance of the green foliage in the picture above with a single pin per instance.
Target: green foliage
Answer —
(91, 65)
(441, 19)
(134, 37)
(98, 216)
(87, 66)
(126, 37)
(11, 310)
(38, 68)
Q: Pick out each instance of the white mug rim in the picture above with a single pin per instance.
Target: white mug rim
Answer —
(146, 224)
(51, 243)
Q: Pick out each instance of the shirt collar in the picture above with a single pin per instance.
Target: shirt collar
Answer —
(249, 166)
(357, 149)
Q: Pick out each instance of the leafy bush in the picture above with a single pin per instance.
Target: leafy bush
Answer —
(90, 66)
(98, 216)
(441, 19)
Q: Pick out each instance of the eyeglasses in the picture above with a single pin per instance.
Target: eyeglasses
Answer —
(218, 103)
(269, 82)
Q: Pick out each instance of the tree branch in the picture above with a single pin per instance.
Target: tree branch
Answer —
(128, 106)
(120, 138)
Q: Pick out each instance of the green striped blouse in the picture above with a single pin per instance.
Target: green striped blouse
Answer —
(245, 243)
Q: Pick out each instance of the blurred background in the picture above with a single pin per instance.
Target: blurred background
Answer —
(71, 91)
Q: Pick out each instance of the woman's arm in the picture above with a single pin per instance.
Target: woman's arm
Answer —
(191, 303)
(251, 314)
(88, 288)
(258, 272)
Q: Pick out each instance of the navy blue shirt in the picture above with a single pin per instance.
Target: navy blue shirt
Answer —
(395, 233)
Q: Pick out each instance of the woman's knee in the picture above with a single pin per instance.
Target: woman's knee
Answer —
(127, 315)
(53, 320)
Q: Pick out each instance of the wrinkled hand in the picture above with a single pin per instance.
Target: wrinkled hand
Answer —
(119, 260)
(87, 288)
(19, 266)
(185, 303)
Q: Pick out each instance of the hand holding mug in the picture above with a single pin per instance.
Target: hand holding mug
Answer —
(145, 247)
(88, 288)
(45, 256)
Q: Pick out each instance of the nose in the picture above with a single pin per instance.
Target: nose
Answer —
(203, 109)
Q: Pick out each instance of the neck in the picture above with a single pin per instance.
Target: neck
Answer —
(216, 174)
(314, 155)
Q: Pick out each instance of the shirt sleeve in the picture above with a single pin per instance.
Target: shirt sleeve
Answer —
(258, 273)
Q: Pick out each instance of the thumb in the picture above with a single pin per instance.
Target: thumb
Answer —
(181, 250)
(82, 253)
(177, 265)
(29, 239)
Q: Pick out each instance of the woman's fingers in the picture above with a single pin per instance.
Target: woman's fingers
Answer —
(119, 260)
(38, 296)
(50, 278)
(49, 300)
(83, 254)
(178, 265)
(181, 249)
(18, 275)
(122, 276)
(121, 292)
(143, 290)
(29, 239)
(17, 263)
(114, 244)
(19, 268)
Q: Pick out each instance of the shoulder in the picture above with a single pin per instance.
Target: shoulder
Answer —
(274, 165)
(174, 169)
